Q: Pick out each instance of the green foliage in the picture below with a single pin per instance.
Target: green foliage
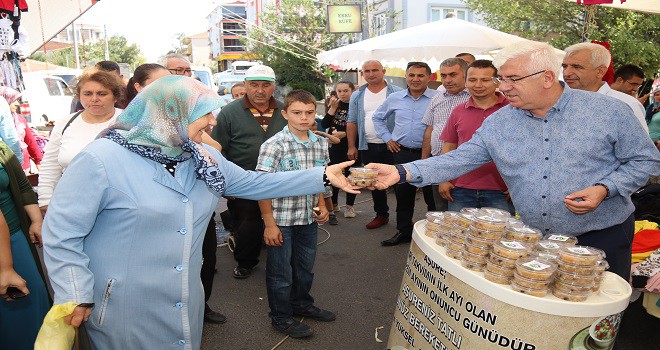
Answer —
(288, 41)
(118, 48)
(632, 35)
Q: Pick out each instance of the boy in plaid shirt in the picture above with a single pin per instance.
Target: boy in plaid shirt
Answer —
(291, 222)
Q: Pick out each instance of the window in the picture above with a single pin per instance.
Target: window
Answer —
(438, 13)
(380, 24)
(232, 45)
(53, 87)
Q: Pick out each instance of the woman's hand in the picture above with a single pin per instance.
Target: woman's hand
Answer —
(387, 175)
(79, 314)
(9, 278)
(35, 234)
(335, 174)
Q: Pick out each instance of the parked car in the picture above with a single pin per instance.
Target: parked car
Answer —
(240, 67)
(49, 97)
(205, 76)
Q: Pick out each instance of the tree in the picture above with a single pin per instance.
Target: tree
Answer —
(632, 35)
(118, 48)
(292, 34)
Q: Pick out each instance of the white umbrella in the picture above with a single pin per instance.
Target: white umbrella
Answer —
(431, 42)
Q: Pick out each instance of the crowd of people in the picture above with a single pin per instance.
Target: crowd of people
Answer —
(130, 182)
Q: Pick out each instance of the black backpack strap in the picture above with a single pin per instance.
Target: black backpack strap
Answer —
(71, 120)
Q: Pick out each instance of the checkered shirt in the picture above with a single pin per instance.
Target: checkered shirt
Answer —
(437, 114)
(285, 152)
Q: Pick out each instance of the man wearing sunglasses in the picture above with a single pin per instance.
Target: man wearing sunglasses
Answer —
(570, 158)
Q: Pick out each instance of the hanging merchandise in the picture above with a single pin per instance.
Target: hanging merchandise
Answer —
(14, 43)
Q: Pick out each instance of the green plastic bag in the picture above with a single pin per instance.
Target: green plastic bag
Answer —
(55, 333)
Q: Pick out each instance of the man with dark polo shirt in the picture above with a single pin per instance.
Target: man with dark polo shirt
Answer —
(482, 187)
(243, 125)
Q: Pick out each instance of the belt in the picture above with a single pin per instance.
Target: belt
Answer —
(404, 148)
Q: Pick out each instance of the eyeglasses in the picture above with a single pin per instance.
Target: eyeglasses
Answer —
(511, 81)
(180, 71)
(636, 86)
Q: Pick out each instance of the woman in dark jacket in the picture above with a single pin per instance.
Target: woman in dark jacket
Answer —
(21, 318)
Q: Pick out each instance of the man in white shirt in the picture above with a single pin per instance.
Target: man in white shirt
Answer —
(360, 129)
(584, 66)
(452, 73)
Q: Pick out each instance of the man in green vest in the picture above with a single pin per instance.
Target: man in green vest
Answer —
(243, 125)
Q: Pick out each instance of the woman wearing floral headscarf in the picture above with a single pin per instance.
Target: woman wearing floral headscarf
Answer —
(125, 226)
(29, 146)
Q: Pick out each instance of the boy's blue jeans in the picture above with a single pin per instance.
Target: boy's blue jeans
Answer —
(289, 273)
(467, 198)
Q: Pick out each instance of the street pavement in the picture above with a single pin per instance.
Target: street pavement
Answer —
(358, 280)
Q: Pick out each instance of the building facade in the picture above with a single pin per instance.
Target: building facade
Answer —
(227, 33)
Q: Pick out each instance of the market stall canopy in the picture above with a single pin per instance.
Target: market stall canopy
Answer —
(648, 6)
(46, 18)
(431, 43)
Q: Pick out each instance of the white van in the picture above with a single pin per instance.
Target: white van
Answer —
(48, 95)
(240, 67)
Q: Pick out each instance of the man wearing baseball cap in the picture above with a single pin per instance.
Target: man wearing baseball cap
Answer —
(243, 125)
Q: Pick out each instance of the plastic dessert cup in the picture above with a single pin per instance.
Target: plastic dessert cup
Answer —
(361, 182)
(363, 173)
(530, 291)
(496, 278)
(511, 249)
(491, 223)
(523, 234)
(497, 269)
(535, 268)
(581, 255)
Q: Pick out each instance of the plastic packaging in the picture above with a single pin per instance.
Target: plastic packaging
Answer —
(363, 173)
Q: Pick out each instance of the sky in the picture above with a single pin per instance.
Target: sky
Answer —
(151, 24)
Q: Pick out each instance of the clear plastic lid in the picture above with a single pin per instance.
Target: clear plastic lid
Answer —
(511, 247)
(495, 212)
(558, 237)
(450, 216)
(496, 277)
(472, 211)
(478, 240)
(431, 216)
(581, 255)
(464, 219)
(498, 269)
(364, 173)
(601, 266)
(573, 278)
(531, 282)
(580, 288)
(537, 292)
(547, 246)
(490, 222)
(536, 268)
(523, 233)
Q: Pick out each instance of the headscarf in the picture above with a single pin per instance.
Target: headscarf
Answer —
(155, 125)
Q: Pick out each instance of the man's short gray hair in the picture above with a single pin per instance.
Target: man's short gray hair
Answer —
(600, 56)
(542, 56)
(454, 61)
(163, 60)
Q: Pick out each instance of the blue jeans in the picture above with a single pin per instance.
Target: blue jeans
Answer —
(289, 273)
(467, 198)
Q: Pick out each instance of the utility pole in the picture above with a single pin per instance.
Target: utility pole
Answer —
(105, 34)
(76, 60)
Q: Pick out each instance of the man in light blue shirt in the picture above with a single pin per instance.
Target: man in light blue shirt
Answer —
(407, 107)
(570, 158)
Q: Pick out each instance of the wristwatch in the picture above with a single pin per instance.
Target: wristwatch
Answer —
(606, 189)
(402, 173)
